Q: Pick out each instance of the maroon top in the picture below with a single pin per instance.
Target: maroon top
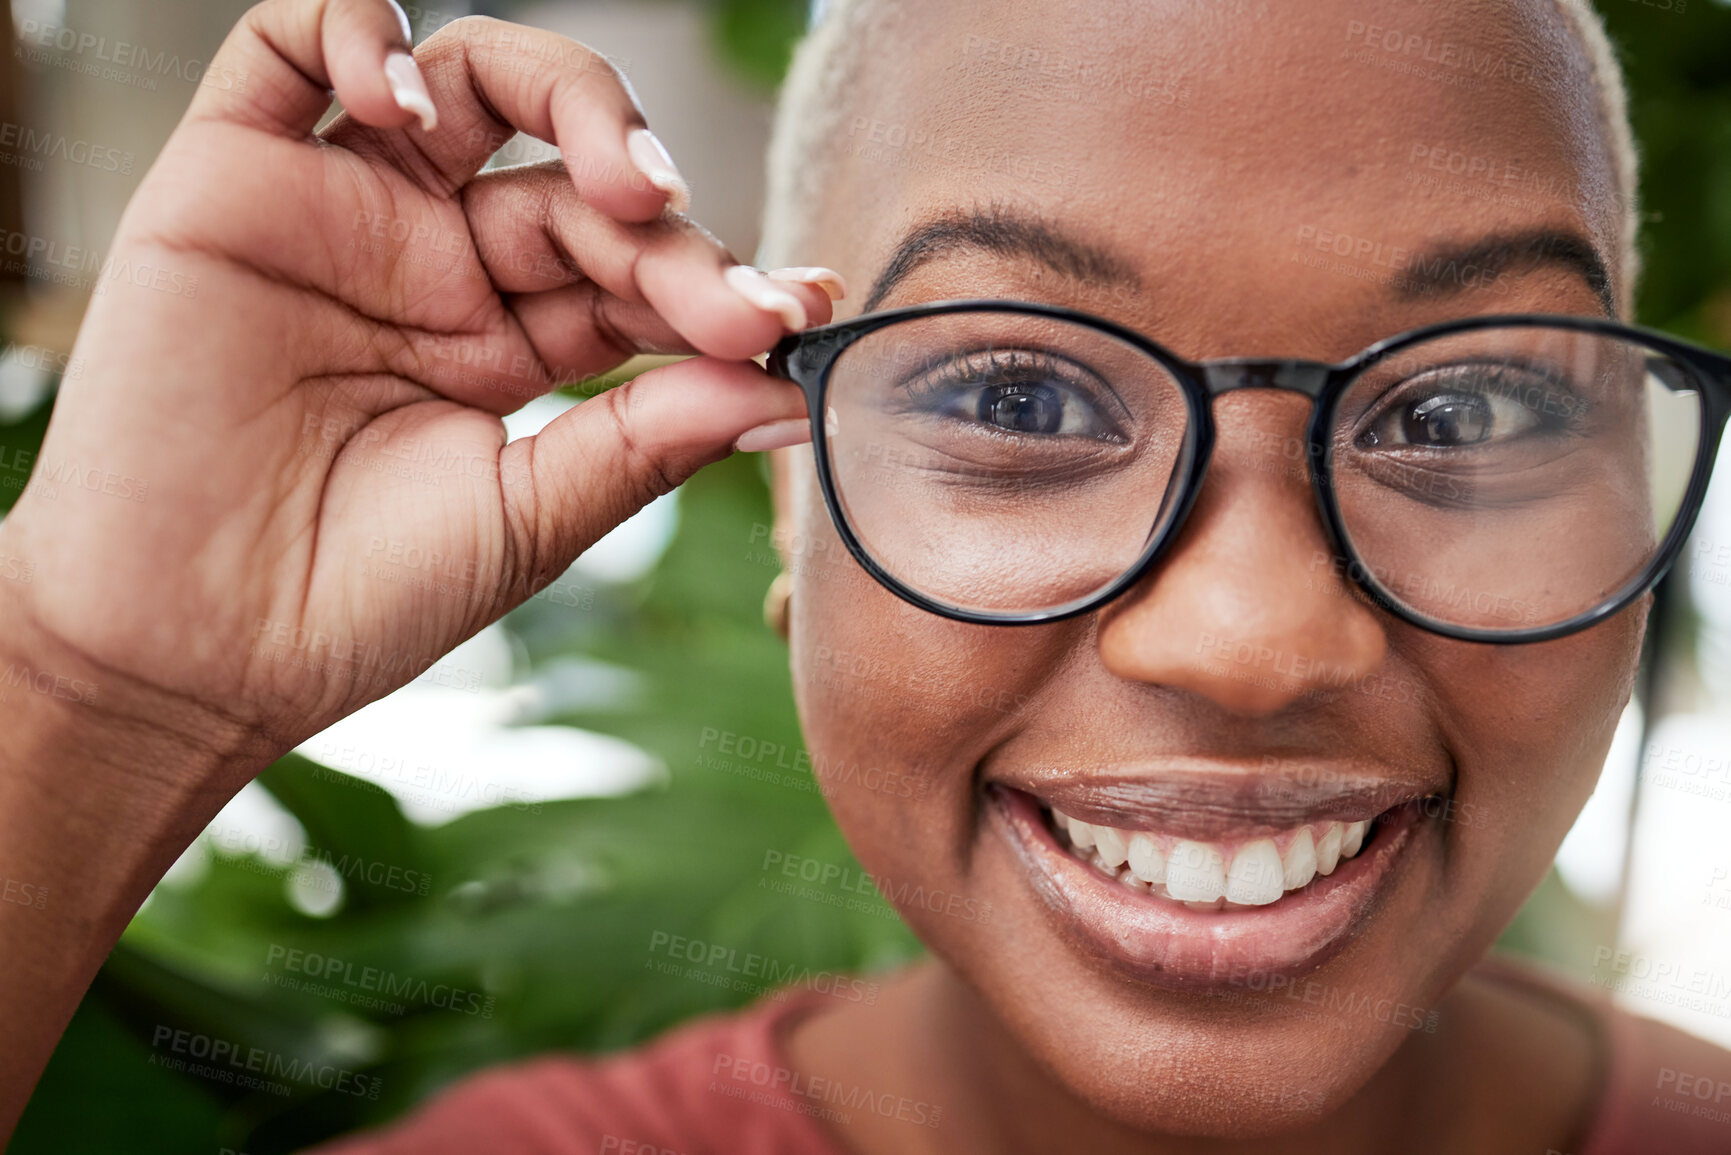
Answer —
(722, 1085)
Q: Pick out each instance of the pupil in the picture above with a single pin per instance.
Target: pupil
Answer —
(1023, 410)
(1447, 421)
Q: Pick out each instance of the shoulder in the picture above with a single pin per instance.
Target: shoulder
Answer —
(1655, 1088)
(1668, 1091)
(718, 1083)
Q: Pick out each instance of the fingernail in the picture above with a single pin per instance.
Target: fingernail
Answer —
(409, 89)
(775, 435)
(653, 161)
(826, 279)
(756, 288)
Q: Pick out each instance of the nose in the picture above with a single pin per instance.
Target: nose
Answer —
(1248, 608)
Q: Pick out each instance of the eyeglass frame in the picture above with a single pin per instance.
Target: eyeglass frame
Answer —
(808, 358)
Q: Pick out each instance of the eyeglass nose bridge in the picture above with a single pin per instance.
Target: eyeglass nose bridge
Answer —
(1306, 377)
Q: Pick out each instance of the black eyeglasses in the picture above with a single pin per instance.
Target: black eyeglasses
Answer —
(1495, 479)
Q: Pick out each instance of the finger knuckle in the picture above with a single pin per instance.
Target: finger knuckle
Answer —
(646, 475)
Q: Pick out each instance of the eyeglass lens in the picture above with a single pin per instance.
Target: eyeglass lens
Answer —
(1497, 479)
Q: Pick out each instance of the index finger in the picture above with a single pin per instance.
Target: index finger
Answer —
(481, 80)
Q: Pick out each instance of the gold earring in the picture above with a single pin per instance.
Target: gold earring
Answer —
(776, 602)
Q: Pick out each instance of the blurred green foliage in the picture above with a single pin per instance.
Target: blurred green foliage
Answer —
(541, 920)
(757, 36)
(540, 917)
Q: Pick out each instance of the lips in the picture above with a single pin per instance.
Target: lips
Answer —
(1202, 879)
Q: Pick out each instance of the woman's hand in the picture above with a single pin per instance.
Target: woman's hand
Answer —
(279, 486)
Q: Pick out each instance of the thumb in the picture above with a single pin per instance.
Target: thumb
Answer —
(602, 461)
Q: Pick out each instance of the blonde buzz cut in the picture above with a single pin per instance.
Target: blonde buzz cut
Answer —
(828, 72)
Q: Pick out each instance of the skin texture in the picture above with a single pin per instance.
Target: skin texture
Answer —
(1204, 201)
(366, 309)
(269, 414)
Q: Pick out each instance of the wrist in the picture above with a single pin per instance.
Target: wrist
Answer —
(97, 741)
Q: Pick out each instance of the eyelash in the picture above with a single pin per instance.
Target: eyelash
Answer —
(1492, 379)
(1007, 369)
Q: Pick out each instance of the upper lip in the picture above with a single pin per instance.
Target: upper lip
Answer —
(1218, 800)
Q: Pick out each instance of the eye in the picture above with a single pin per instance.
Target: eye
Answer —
(1023, 408)
(1023, 392)
(1459, 408)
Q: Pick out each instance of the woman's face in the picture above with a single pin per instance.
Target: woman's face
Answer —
(1211, 158)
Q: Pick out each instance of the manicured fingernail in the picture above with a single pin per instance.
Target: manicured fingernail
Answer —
(826, 279)
(653, 161)
(775, 435)
(756, 288)
(409, 89)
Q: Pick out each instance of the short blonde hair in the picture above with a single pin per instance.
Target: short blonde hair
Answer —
(827, 67)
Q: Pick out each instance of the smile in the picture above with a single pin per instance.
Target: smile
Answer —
(1196, 897)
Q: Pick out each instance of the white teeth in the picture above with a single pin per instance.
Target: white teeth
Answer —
(1256, 877)
(1328, 849)
(1300, 864)
(1080, 832)
(1353, 838)
(1146, 861)
(1207, 876)
(1110, 844)
(1195, 872)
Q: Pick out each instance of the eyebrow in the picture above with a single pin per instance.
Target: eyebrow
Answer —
(1006, 233)
(1441, 270)
(1452, 268)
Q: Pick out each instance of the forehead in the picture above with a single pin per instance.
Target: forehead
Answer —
(1239, 158)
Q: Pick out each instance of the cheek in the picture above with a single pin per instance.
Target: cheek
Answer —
(899, 705)
(1529, 727)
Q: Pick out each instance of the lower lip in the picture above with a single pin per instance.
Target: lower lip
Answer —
(1172, 946)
